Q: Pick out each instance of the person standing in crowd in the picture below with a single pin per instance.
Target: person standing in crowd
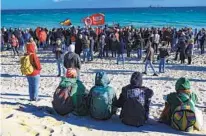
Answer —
(34, 77)
(138, 45)
(78, 45)
(21, 43)
(15, 44)
(114, 45)
(102, 45)
(156, 41)
(189, 51)
(72, 60)
(149, 58)
(162, 56)
(129, 44)
(120, 51)
(27, 36)
(86, 48)
(202, 42)
(91, 54)
(59, 52)
(182, 46)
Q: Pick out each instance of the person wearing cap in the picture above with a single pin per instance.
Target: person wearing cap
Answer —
(135, 89)
(72, 60)
(183, 88)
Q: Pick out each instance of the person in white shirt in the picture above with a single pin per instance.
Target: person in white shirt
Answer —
(156, 41)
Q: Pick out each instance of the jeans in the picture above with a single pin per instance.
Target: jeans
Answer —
(43, 44)
(91, 55)
(149, 62)
(101, 53)
(120, 57)
(60, 67)
(202, 47)
(33, 86)
(15, 50)
(114, 53)
(162, 65)
(86, 54)
(22, 48)
(139, 54)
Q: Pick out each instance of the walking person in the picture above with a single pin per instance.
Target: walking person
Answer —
(15, 44)
(162, 56)
(149, 58)
(34, 77)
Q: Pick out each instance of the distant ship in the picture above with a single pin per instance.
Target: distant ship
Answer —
(157, 6)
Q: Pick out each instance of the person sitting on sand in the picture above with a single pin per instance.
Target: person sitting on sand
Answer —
(34, 77)
(101, 98)
(72, 60)
(182, 97)
(135, 91)
(149, 58)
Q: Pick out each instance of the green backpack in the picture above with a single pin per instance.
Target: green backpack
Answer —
(101, 103)
(183, 117)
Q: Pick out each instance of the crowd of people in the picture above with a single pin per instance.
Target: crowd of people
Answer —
(101, 102)
(111, 42)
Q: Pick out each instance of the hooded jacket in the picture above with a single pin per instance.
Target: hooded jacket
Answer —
(72, 60)
(135, 83)
(78, 95)
(31, 50)
(102, 84)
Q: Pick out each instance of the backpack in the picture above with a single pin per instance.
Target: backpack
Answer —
(183, 117)
(62, 101)
(101, 104)
(26, 65)
(133, 112)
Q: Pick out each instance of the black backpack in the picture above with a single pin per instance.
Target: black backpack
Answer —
(62, 101)
(133, 112)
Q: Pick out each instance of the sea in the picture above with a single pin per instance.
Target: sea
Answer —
(194, 17)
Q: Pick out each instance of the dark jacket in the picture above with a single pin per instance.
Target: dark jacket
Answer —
(136, 83)
(78, 46)
(121, 47)
(72, 60)
(163, 52)
(189, 50)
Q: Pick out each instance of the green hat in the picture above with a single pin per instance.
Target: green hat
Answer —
(182, 84)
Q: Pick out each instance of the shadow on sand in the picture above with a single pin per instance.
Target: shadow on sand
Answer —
(114, 124)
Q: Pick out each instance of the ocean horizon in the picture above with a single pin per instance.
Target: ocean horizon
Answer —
(194, 17)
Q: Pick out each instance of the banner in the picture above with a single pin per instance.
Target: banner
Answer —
(95, 19)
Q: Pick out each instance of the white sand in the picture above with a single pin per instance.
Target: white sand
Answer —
(20, 117)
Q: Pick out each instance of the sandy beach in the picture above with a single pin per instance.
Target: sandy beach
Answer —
(20, 117)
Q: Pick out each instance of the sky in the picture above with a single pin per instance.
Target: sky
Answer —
(52, 4)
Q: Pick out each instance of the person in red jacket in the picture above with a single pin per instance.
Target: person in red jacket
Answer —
(42, 38)
(15, 44)
(34, 77)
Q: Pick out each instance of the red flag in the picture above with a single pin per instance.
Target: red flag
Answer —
(95, 19)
